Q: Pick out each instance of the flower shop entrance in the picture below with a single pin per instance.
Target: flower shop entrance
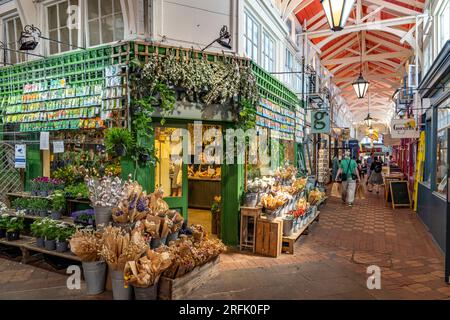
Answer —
(190, 183)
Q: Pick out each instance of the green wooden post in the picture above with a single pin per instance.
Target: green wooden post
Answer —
(33, 164)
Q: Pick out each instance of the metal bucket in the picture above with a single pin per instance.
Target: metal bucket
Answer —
(288, 225)
(95, 276)
(103, 216)
(251, 199)
(118, 287)
(150, 293)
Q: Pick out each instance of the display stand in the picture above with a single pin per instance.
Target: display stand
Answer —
(269, 236)
(288, 242)
(249, 217)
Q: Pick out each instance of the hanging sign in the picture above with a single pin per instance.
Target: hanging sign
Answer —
(320, 121)
(404, 128)
(20, 156)
(44, 140)
(58, 146)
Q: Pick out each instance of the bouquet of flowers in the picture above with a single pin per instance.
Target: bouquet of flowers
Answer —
(157, 205)
(145, 271)
(107, 191)
(119, 247)
(134, 206)
(86, 244)
(174, 221)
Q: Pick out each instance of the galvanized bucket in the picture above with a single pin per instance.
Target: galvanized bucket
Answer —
(95, 276)
(118, 287)
(103, 216)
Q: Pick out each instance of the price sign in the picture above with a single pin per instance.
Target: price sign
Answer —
(320, 121)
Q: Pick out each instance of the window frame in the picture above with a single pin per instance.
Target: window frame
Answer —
(19, 57)
(99, 20)
(289, 67)
(268, 56)
(255, 57)
(79, 40)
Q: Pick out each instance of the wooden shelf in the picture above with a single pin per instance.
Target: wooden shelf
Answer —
(64, 219)
(25, 195)
(288, 242)
(31, 246)
(17, 243)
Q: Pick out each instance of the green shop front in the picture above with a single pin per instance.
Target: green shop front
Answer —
(76, 96)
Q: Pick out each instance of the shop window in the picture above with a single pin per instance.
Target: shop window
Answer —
(169, 168)
(12, 31)
(289, 66)
(58, 17)
(251, 36)
(428, 152)
(268, 53)
(443, 24)
(441, 150)
(104, 21)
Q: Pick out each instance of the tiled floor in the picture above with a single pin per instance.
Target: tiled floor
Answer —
(329, 263)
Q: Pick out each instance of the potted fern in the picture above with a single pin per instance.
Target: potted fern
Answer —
(119, 141)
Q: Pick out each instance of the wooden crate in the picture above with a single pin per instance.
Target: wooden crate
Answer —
(179, 288)
(249, 218)
(269, 234)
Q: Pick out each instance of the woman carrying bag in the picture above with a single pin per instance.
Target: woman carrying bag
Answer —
(349, 175)
(376, 177)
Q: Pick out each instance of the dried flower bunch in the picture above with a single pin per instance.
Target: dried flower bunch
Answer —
(157, 206)
(146, 271)
(119, 247)
(189, 253)
(134, 206)
(174, 221)
(86, 244)
(106, 191)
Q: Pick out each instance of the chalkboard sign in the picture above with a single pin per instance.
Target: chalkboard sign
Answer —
(400, 194)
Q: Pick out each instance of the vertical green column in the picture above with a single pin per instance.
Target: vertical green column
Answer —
(232, 189)
(34, 164)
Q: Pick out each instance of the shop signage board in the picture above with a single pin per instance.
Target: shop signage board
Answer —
(400, 194)
(320, 121)
(404, 128)
(58, 146)
(20, 156)
(44, 141)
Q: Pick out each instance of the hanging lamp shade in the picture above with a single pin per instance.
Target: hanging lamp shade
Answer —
(368, 120)
(360, 86)
(337, 12)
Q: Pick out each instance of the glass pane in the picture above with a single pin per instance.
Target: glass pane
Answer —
(74, 39)
(19, 28)
(106, 7)
(52, 17)
(11, 34)
(64, 33)
(92, 9)
(117, 7)
(107, 29)
(118, 32)
(94, 33)
(53, 45)
(169, 168)
(441, 171)
(63, 14)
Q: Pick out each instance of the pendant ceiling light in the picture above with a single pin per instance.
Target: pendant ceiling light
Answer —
(337, 12)
(360, 85)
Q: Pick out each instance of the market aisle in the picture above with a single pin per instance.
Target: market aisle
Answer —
(331, 262)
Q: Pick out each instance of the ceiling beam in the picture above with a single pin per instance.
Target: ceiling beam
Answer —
(370, 57)
(316, 17)
(338, 44)
(392, 7)
(368, 77)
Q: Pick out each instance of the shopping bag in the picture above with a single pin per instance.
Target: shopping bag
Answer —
(361, 192)
(336, 190)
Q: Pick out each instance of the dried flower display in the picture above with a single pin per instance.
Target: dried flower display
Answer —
(87, 244)
(133, 206)
(145, 271)
(106, 191)
(119, 247)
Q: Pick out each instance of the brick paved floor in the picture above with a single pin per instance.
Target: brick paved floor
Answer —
(329, 263)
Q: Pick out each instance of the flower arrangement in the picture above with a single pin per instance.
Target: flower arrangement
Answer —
(84, 216)
(145, 271)
(119, 247)
(87, 244)
(133, 206)
(107, 191)
(44, 186)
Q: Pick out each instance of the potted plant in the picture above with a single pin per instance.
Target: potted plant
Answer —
(64, 233)
(41, 207)
(4, 218)
(58, 204)
(50, 232)
(13, 228)
(37, 228)
(19, 204)
(118, 141)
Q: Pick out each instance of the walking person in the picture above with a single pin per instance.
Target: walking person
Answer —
(369, 163)
(376, 178)
(349, 175)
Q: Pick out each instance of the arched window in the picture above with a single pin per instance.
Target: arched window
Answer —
(104, 21)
